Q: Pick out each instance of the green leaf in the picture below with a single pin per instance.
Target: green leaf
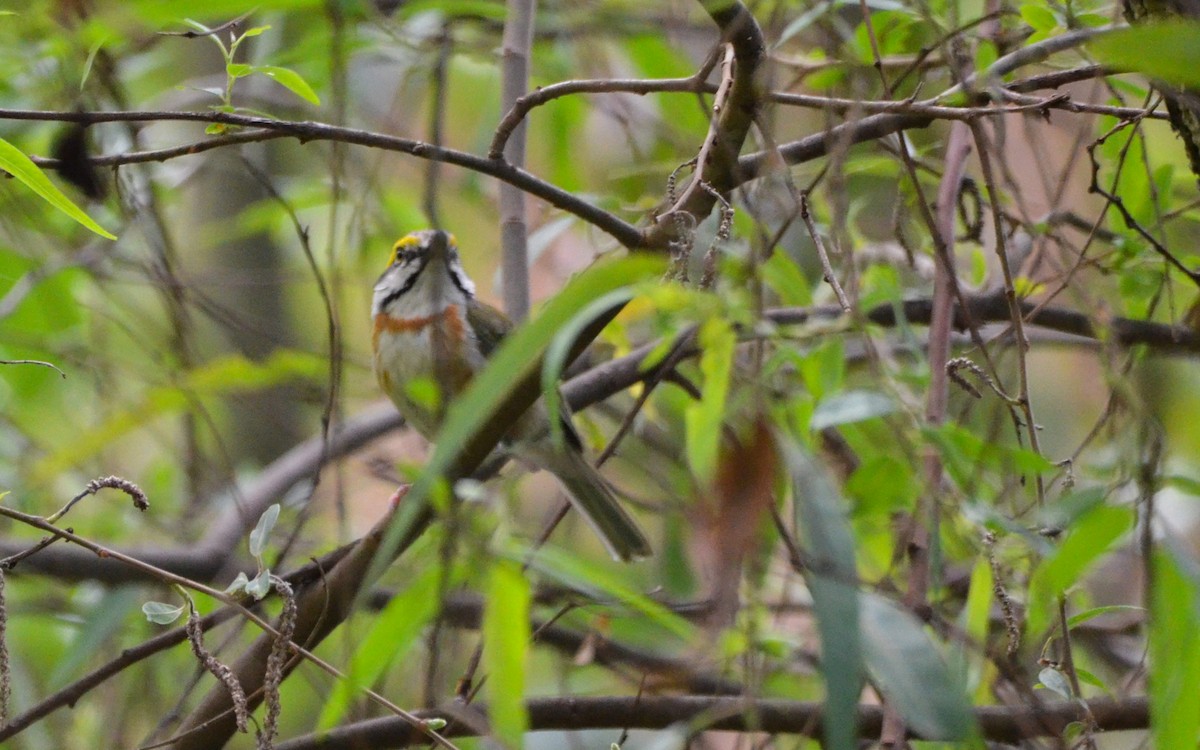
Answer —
(787, 280)
(560, 348)
(704, 418)
(162, 614)
(16, 163)
(1166, 51)
(1174, 641)
(908, 668)
(262, 530)
(1089, 538)
(1089, 614)
(848, 407)
(826, 537)
(291, 81)
(824, 367)
(506, 637)
(392, 636)
(1038, 16)
(238, 70)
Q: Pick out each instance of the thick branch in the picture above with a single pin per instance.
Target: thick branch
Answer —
(997, 723)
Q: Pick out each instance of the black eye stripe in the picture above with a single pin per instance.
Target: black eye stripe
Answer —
(457, 276)
(409, 282)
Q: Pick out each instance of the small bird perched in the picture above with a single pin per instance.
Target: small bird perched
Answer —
(429, 326)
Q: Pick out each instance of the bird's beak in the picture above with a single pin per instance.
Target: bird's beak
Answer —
(439, 246)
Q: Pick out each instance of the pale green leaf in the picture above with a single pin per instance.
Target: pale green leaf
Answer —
(848, 407)
(1054, 680)
(162, 614)
(826, 538)
(262, 530)
(908, 667)
(260, 585)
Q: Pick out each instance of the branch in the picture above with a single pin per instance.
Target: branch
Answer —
(305, 131)
(721, 170)
(997, 723)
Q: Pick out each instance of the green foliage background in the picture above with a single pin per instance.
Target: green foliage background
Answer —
(197, 349)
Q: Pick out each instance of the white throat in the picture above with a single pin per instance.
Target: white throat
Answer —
(431, 294)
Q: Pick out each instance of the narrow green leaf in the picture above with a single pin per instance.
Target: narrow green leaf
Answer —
(975, 618)
(908, 667)
(1089, 614)
(16, 163)
(1175, 58)
(556, 355)
(703, 419)
(506, 636)
(831, 573)
(586, 576)
(1089, 538)
(291, 81)
(238, 70)
(1174, 641)
(392, 636)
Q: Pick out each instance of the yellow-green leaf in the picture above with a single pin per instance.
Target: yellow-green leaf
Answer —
(291, 81)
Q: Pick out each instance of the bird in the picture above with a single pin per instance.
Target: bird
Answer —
(428, 327)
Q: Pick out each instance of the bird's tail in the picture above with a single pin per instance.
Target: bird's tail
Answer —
(591, 496)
